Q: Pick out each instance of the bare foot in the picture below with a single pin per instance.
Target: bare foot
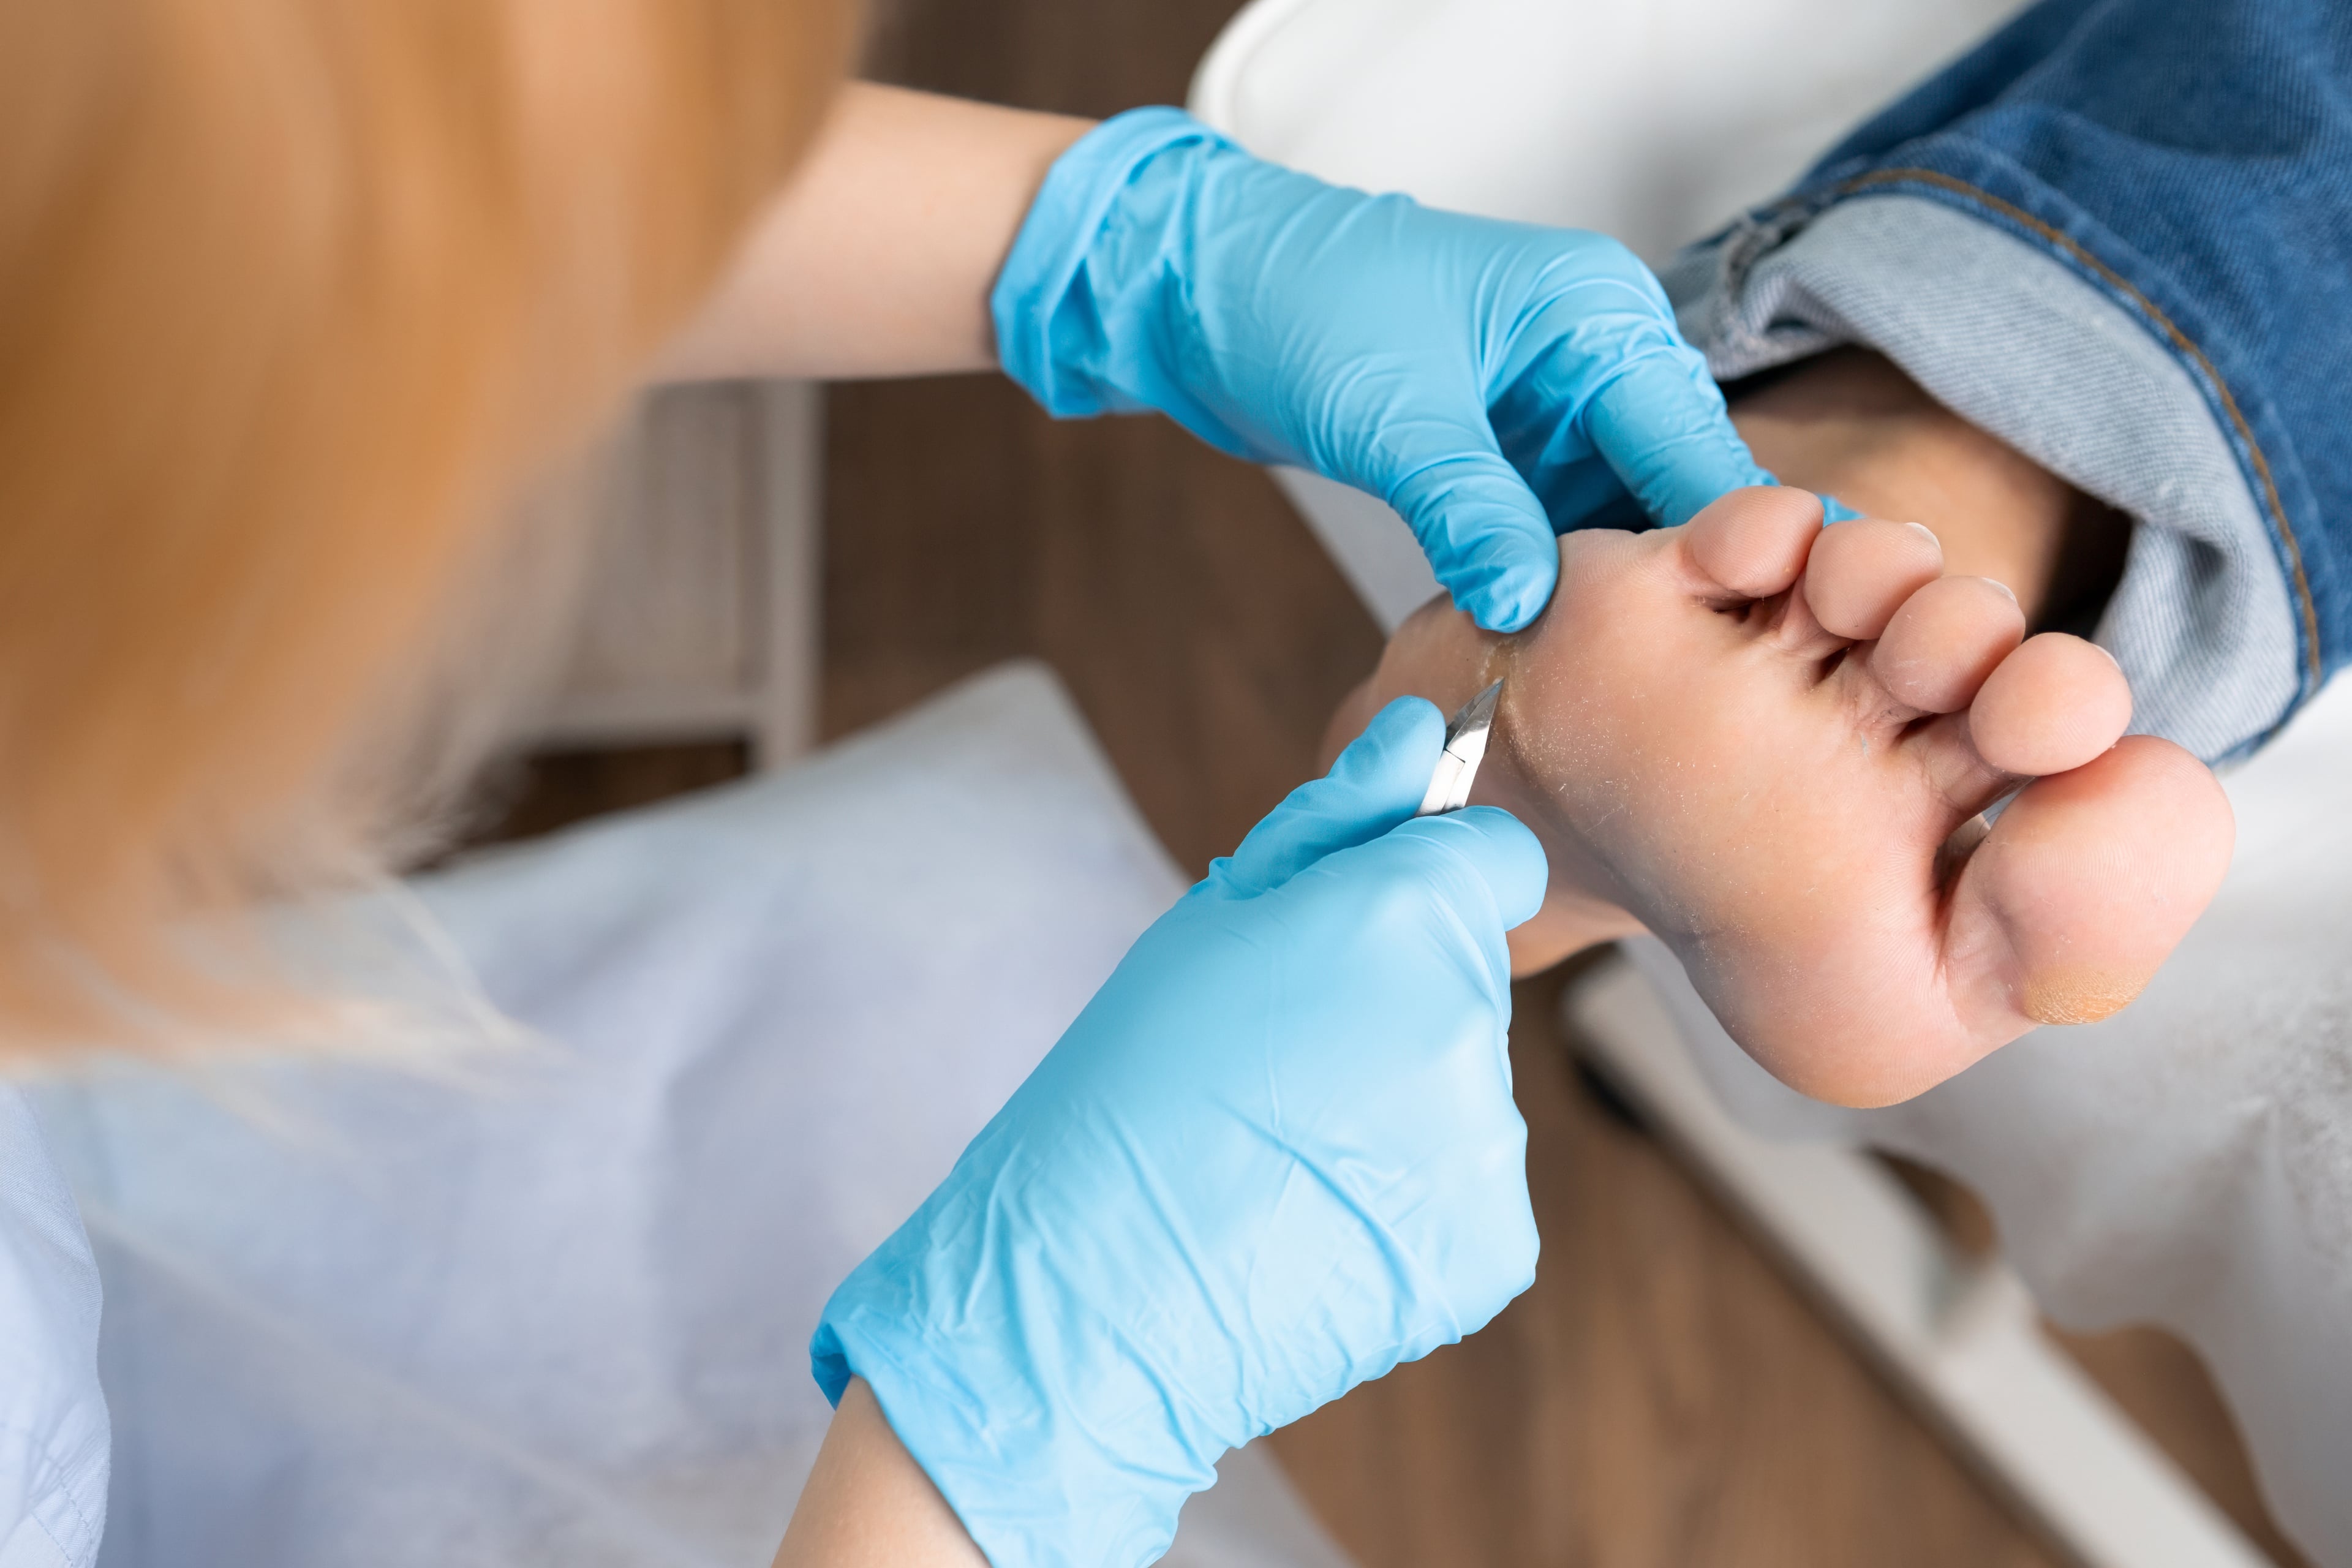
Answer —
(1770, 743)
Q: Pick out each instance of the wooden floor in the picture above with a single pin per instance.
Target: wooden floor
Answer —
(1662, 1396)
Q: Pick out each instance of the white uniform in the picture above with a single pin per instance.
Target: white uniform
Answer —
(556, 1310)
(53, 1435)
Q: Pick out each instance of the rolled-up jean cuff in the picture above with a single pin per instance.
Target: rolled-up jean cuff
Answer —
(2009, 337)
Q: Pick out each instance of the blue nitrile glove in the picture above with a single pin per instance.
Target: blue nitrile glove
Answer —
(1275, 1156)
(1493, 382)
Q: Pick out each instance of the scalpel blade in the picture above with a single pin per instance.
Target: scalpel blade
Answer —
(1465, 748)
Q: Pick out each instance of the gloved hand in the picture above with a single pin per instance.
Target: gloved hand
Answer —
(1495, 382)
(1276, 1155)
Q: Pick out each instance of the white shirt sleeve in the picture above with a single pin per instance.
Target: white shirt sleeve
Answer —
(54, 1439)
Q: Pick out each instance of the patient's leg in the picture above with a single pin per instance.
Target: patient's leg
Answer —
(1766, 741)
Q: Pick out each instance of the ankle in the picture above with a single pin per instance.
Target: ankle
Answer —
(1852, 424)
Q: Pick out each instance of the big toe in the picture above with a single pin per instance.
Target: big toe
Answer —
(2088, 883)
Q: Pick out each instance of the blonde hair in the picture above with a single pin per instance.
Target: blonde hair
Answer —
(293, 294)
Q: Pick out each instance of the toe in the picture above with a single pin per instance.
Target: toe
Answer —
(1957, 772)
(1861, 571)
(1939, 647)
(2053, 705)
(2056, 704)
(1751, 543)
(2085, 885)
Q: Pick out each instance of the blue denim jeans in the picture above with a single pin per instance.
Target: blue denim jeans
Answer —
(2173, 172)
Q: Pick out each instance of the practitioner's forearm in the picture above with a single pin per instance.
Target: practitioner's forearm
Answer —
(878, 258)
(868, 1503)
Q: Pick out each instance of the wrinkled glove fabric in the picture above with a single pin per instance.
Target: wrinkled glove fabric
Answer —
(1273, 1157)
(1495, 382)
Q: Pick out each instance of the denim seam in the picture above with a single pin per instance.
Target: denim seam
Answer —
(2307, 609)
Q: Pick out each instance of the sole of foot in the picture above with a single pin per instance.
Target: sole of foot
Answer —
(1773, 744)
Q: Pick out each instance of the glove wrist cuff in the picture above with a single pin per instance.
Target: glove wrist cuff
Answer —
(1044, 302)
(1013, 1452)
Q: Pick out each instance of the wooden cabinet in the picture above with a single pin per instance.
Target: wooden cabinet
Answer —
(698, 618)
